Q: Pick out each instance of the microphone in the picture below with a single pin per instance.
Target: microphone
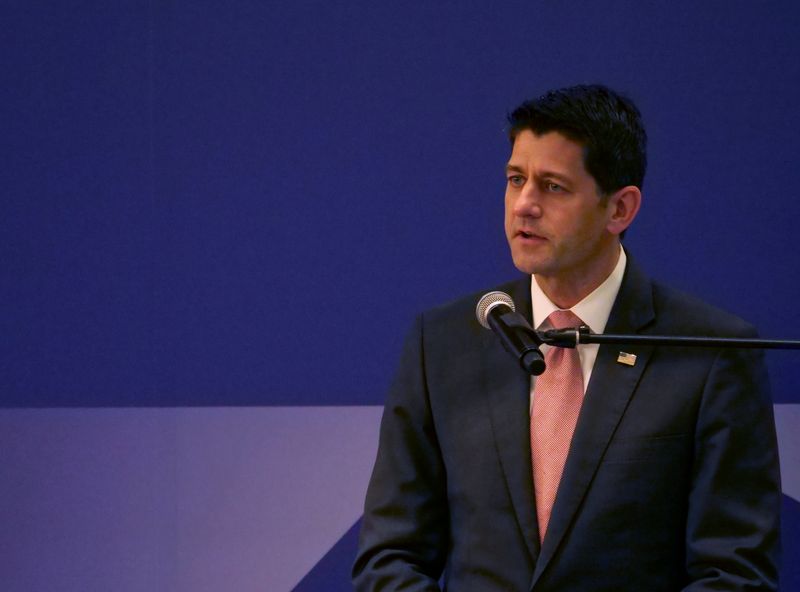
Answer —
(496, 311)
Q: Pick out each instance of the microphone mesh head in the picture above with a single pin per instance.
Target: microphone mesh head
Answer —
(488, 301)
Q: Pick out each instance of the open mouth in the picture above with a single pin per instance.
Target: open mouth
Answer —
(528, 234)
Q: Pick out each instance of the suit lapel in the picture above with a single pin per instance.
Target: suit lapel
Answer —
(609, 391)
(508, 390)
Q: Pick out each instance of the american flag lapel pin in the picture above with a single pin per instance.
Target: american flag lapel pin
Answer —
(626, 358)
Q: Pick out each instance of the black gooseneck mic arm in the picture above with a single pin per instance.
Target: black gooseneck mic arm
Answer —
(517, 338)
(496, 311)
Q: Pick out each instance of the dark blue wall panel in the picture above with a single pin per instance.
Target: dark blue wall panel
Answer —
(247, 205)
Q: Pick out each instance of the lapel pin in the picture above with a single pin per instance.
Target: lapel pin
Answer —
(626, 358)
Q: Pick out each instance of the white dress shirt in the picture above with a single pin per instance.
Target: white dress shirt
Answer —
(593, 310)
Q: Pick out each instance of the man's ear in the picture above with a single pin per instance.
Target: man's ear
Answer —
(623, 205)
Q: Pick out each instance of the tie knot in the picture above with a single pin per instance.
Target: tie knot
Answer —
(562, 319)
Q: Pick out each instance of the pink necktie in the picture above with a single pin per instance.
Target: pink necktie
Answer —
(557, 398)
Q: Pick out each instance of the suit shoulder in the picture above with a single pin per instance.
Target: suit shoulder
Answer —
(459, 314)
(686, 313)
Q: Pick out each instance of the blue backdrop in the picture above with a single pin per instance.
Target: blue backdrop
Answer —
(244, 206)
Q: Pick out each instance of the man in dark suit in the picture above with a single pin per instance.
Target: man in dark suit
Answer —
(643, 469)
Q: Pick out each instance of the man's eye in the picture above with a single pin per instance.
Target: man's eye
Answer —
(554, 187)
(516, 180)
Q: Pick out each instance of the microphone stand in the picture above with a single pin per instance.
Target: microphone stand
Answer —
(583, 336)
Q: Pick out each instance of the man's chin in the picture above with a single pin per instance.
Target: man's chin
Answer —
(529, 265)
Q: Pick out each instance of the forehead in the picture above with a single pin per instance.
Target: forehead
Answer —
(548, 151)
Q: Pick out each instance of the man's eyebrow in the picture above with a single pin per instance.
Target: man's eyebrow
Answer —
(512, 168)
(554, 175)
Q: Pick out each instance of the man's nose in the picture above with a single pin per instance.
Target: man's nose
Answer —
(528, 202)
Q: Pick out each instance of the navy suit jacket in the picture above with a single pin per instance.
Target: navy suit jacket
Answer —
(671, 482)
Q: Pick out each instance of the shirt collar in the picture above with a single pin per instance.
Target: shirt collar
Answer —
(593, 310)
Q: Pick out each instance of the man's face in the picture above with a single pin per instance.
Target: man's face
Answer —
(555, 222)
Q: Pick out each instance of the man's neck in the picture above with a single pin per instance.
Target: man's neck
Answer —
(565, 290)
